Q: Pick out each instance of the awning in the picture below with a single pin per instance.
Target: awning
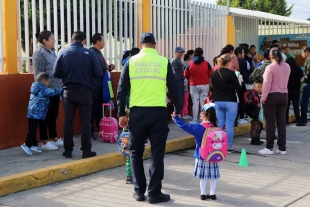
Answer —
(265, 16)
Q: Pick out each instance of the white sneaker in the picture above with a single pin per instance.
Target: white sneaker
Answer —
(59, 143)
(242, 121)
(281, 152)
(26, 149)
(265, 151)
(186, 117)
(36, 149)
(48, 147)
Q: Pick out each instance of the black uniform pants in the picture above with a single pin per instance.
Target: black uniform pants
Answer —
(293, 97)
(77, 98)
(31, 139)
(51, 117)
(96, 114)
(156, 129)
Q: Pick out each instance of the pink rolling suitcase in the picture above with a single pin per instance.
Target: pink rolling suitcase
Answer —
(108, 127)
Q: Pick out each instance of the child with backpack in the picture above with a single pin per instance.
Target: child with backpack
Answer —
(203, 170)
(253, 108)
(37, 110)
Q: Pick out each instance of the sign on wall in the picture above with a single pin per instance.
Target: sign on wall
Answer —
(295, 42)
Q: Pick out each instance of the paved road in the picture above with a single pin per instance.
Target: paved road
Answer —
(272, 181)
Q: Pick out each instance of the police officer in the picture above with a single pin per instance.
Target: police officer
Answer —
(147, 75)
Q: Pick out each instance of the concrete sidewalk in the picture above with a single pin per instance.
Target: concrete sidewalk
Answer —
(19, 171)
(272, 181)
(15, 160)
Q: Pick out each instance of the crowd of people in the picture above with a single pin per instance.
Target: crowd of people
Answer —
(238, 86)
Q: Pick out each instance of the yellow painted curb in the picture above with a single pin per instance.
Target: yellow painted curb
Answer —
(44, 176)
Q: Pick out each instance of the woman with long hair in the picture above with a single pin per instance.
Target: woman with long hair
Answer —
(274, 99)
(188, 56)
(229, 50)
(225, 85)
(43, 60)
(198, 73)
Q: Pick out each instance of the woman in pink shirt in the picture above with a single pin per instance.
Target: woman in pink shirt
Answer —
(228, 49)
(275, 99)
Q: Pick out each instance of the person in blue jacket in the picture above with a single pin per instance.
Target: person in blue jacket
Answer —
(37, 110)
(202, 170)
(131, 52)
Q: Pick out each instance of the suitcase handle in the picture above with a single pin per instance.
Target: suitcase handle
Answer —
(107, 104)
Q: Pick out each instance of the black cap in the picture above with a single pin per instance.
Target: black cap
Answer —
(147, 37)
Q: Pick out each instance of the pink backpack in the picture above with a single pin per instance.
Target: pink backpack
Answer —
(108, 127)
(214, 144)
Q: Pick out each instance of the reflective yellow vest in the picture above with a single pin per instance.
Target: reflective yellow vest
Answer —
(148, 73)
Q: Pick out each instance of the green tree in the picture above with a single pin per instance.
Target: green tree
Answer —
(278, 7)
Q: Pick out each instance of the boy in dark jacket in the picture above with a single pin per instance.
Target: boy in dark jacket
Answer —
(37, 110)
(254, 109)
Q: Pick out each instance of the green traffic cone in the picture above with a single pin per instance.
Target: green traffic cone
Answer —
(243, 162)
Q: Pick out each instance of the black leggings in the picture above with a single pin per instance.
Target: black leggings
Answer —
(51, 118)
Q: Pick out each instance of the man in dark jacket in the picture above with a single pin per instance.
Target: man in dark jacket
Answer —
(77, 66)
(304, 102)
(178, 68)
(98, 44)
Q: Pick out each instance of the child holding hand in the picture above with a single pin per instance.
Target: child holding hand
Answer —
(203, 170)
(37, 110)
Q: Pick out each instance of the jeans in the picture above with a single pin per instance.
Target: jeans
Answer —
(199, 94)
(304, 102)
(274, 111)
(33, 124)
(77, 98)
(294, 97)
(226, 113)
(156, 129)
(96, 109)
(51, 117)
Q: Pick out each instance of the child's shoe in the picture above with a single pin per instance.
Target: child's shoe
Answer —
(129, 180)
(48, 147)
(203, 197)
(212, 197)
(242, 121)
(59, 143)
(26, 149)
(36, 149)
(230, 150)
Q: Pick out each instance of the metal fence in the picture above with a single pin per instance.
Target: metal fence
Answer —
(1, 41)
(189, 24)
(117, 20)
